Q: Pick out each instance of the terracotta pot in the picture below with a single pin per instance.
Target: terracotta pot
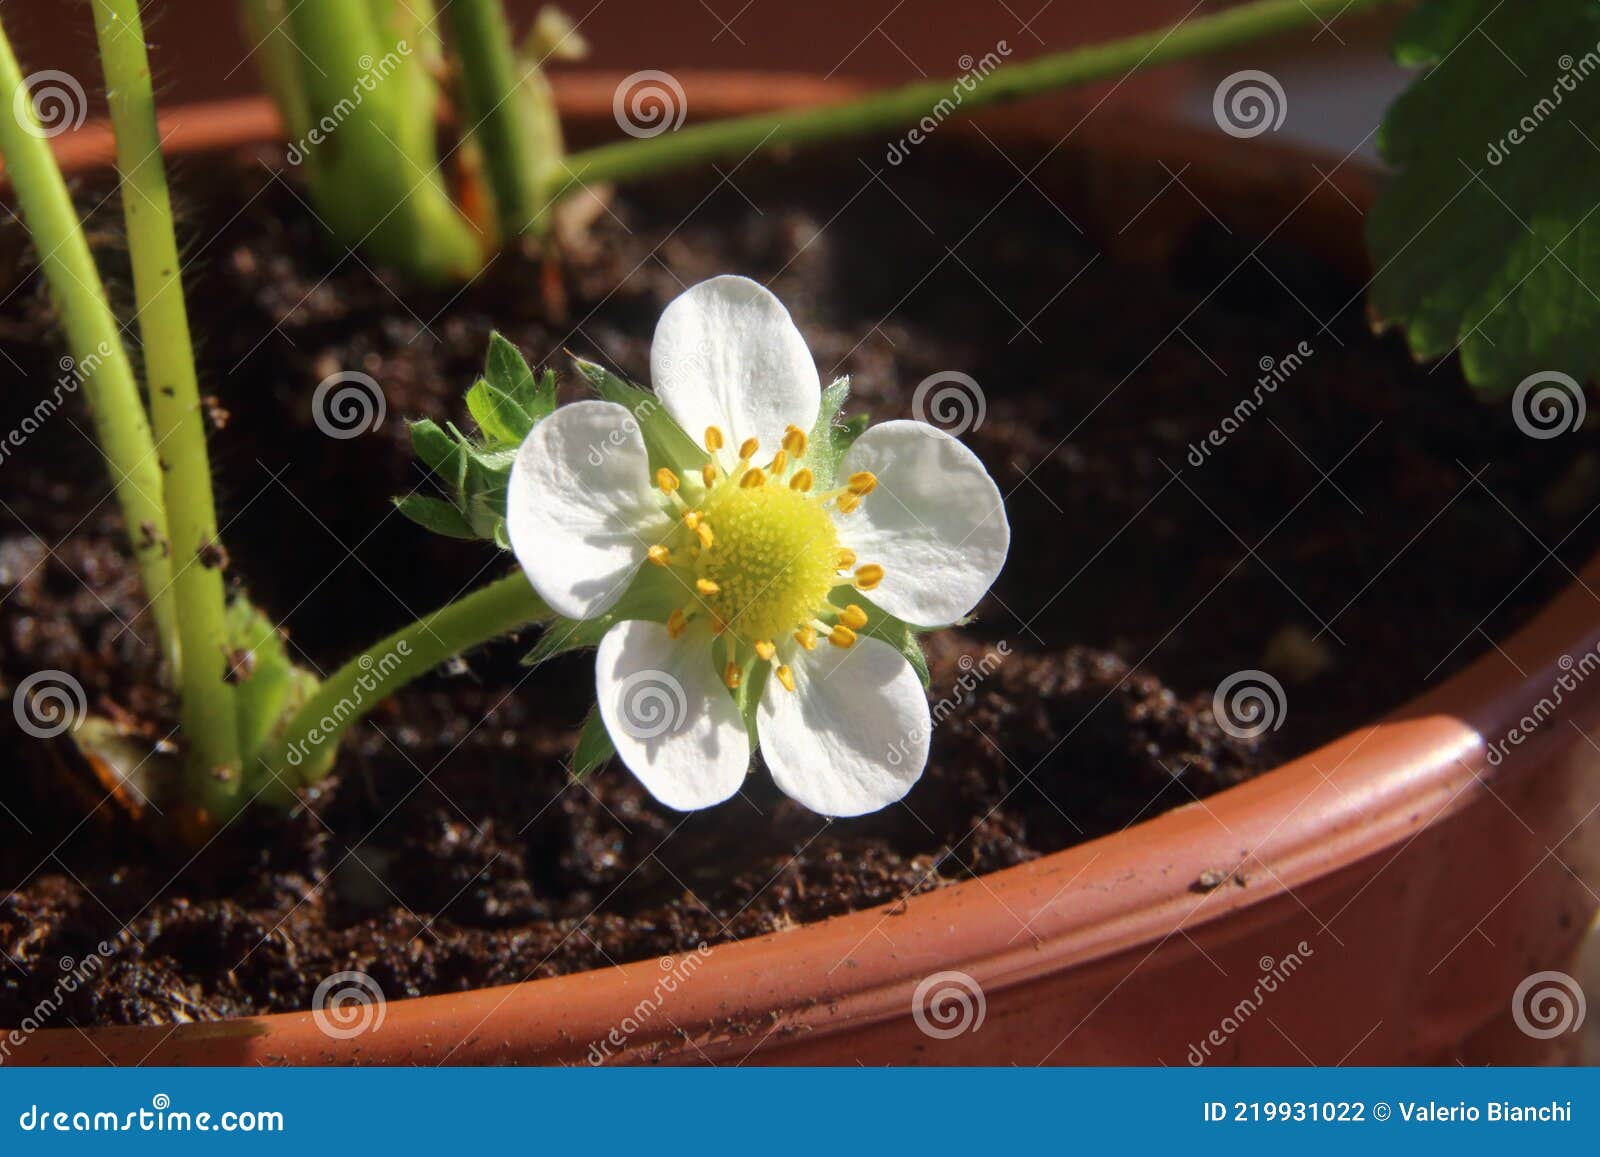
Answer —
(1410, 884)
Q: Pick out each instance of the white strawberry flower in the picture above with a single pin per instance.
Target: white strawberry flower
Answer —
(748, 570)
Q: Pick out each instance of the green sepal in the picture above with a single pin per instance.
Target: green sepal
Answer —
(652, 596)
(594, 748)
(831, 436)
(899, 635)
(664, 439)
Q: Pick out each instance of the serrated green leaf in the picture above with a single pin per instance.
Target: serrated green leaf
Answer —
(594, 748)
(501, 419)
(1487, 241)
(664, 439)
(436, 449)
(505, 368)
(435, 514)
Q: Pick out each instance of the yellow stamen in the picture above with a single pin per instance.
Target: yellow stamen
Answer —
(659, 555)
(780, 460)
(706, 586)
(847, 559)
(677, 623)
(786, 677)
(862, 482)
(708, 474)
(801, 481)
(748, 449)
(842, 636)
(666, 480)
(753, 478)
(869, 576)
(765, 649)
(713, 439)
(794, 441)
(691, 519)
(703, 533)
(848, 503)
(853, 617)
(731, 675)
(807, 638)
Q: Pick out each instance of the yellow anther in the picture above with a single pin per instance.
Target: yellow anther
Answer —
(748, 449)
(847, 559)
(666, 480)
(659, 555)
(691, 519)
(765, 649)
(731, 674)
(706, 586)
(713, 439)
(807, 638)
(677, 623)
(708, 474)
(753, 478)
(848, 503)
(869, 576)
(801, 481)
(794, 441)
(862, 482)
(786, 677)
(703, 533)
(779, 461)
(842, 636)
(853, 617)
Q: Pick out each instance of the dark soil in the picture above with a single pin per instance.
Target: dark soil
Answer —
(452, 850)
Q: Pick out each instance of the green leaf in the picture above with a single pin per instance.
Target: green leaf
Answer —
(594, 748)
(1487, 240)
(505, 368)
(436, 515)
(497, 414)
(436, 449)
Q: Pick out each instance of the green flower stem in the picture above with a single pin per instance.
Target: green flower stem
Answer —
(206, 699)
(109, 386)
(303, 751)
(734, 138)
(496, 111)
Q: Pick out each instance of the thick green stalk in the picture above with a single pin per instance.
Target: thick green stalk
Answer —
(101, 362)
(304, 749)
(497, 113)
(737, 137)
(206, 699)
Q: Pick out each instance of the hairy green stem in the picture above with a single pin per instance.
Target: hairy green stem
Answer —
(739, 136)
(206, 699)
(101, 364)
(497, 115)
(303, 750)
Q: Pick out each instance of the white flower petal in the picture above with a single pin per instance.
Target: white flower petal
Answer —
(727, 354)
(673, 722)
(580, 511)
(935, 523)
(853, 735)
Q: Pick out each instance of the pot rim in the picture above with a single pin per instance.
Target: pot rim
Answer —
(1363, 795)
